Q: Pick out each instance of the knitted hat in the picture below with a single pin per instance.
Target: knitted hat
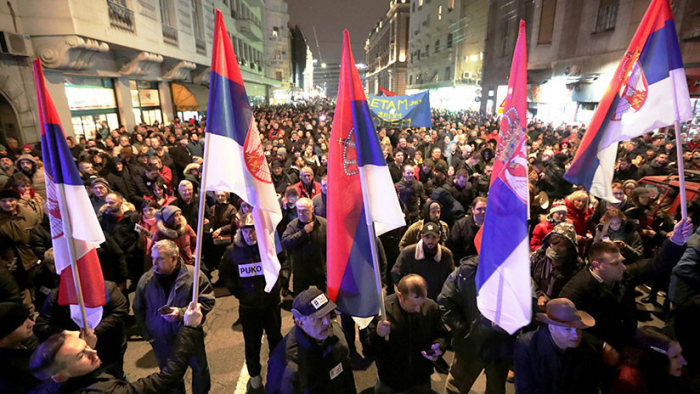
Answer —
(558, 206)
(12, 315)
(168, 212)
(101, 181)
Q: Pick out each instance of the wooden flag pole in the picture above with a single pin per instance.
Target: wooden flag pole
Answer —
(200, 222)
(681, 170)
(68, 233)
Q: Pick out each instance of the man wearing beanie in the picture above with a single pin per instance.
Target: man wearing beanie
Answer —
(17, 342)
(173, 226)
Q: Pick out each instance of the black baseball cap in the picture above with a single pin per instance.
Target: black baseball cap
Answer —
(313, 302)
(431, 228)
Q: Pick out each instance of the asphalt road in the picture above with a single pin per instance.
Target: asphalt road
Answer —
(225, 351)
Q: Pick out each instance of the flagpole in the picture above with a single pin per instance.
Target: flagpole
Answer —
(68, 232)
(681, 170)
(372, 243)
(200, 221)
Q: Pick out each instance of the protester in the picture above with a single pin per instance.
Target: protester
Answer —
(305, 242)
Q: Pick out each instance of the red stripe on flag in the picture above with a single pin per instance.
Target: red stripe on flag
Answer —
(91, 282)
(223, 56)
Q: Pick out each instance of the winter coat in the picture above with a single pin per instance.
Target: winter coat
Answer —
(435, 270)
(191, 211)
(222, 216)
(685, 277)
(15, 376)
(54, 318)
(165, 381)
(452, 210)
(122, 228)
(150, 296)
(412, 194)
(539, 233)
(315, 189)
(184, 237)
(613, 305)
(14, 237)
(542, 368)
(300, 365)
(461, 238)
(580, 218)
(320, 202)
(306, 251)
(400, 364)
(241, 271)
(36, 175)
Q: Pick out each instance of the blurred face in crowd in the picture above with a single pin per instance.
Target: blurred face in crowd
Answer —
(609, 267)
(435, 211)
(113, 202)
(318, 328)
(26, 165)
(324, 186)
(8, 204)
(461, 181)
(644, 200)
(436, 154)
(580, 203)
(398, 158)
(23, 188)
(402, 142)
(119, 166)
(411, 303)
(661, 160)
(86, 168)
(619, 193)
(6, 163)
(75, 359)
(100, 190)
(186, 191)
(306, 176)
(408, 173)
(479, 212)
(249, 235)
(245, 208)
(221, 197)
(558, 244)
(676, 359)
(430, 242)
(565, 337)
(305, 210)
(615, 223)
(148, 212)
(123, 140)
(163, 263)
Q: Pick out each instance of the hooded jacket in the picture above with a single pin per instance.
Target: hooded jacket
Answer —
(412, 234)
(36, 175)
(547, 279)
(434, 269)
(14, 236)
(184, 237)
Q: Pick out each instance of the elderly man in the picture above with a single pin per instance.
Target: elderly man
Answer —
(117, 217)
(305, 242)
(306, 186)
(161, 298)
(66, 359)
(408, 340)
(313, 357)
(242, 272)
(427, 258)
(188, 202)
(558, 358)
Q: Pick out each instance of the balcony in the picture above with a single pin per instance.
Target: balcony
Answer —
(121, 17)
(201, 46)
(249, 29)
(170, 35)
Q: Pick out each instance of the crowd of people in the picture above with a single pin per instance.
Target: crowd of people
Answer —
(589, 260)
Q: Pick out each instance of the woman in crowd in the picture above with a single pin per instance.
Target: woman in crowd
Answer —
(613, 227)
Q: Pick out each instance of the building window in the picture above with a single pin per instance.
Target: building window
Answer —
(440, 12)
(449, 40)
(275, 31)
(607, 15)
(448, 73)
(427, 50)
(505, 38)
(437, 46)
(547, 22)
(197, 22)
(165, 14)
(410, 80)
(450, 5)
(420, 3)
(413, 7)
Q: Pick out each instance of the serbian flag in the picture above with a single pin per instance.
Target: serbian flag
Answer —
(74, 227)
(234, 160)
(360, 195)
(387, 92)
(648, 91)
(503, 276)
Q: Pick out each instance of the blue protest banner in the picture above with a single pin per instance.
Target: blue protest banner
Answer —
(401, 111)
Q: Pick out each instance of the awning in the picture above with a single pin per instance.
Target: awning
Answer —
(190, 97)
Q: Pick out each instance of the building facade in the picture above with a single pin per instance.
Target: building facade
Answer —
(124, 62)
(387, 48)
(302, 64)
(278, 49)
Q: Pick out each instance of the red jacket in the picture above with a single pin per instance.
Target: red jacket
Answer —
(580, 219)
(539, 233)
(302, 190)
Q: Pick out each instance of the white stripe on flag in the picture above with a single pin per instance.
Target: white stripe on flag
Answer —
(384, 205)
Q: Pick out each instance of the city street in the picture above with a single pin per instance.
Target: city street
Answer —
(227, 360)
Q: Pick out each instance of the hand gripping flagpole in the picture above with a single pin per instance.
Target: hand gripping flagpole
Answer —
(681, 171)
(68, 231)
(200, 221)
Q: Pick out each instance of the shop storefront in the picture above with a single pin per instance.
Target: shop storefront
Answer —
(145, 100)
(190, 100)
(91, 101)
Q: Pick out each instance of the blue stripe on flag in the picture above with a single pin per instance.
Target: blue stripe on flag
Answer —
(357, 294)
(58, 159)
(229, 114)
(661, 53)
(369, 150)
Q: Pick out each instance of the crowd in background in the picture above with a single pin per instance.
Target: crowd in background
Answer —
(589, 257)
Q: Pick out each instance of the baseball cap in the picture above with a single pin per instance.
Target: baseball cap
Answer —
(313, 302)
(430, 228)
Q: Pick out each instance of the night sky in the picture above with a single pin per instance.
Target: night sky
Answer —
(330, 18)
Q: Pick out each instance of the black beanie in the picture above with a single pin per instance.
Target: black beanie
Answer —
(12, 315)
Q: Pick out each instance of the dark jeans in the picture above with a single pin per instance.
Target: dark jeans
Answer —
(254, 321)
(201, 380)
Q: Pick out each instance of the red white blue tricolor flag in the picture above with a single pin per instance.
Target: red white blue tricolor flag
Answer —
(648, 91)
(503, 276)
(71, 216)
(234, 159)
(360, 191)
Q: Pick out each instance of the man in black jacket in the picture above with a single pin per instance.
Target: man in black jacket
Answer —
(305, 242)
(605, 289)
(407, 340)
(313, 357)
(411, 194)
(17, 342)
(68, 360)
(242, 272)
(181, 155)
(461, 239)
